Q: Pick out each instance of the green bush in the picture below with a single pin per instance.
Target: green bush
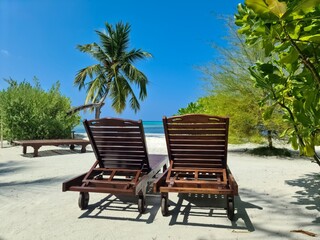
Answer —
(29, 112)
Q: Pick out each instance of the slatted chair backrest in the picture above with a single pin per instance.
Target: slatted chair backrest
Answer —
(118, 143)
(197, 141)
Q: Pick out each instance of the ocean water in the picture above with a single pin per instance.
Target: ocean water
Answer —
(150, 128)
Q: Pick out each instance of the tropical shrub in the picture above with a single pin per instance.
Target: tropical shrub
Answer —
(29, 112)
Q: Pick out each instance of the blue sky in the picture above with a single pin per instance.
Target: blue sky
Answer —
(39, 38)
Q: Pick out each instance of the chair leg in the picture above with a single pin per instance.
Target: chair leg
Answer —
(141, 204)
(230, 207)
(164, 205)
(83, 200)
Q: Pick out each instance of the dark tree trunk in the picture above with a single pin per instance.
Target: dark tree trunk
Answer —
(316, 158)
(270, 139)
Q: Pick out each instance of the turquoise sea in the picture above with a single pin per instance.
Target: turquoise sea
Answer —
(150, 127)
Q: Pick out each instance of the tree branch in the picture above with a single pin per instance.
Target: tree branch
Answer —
(305, 59)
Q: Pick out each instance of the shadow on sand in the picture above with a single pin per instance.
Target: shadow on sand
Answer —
(10, 167)
(191, 206)
(42, 181)
(202, 207)
(120, 203)
(309, 196)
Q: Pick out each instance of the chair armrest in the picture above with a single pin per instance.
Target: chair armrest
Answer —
(232, 182)
(160, 181)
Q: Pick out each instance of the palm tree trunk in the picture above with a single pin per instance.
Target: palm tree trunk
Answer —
(98, 111)
(99, 106)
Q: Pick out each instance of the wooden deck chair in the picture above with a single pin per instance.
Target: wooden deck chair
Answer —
(197, 148)
(122, 164)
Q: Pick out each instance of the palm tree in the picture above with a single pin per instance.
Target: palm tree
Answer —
(114, 74)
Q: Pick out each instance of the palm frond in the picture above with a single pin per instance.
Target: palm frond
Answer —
(107, 44)
(137, 77)
(136, 54)
(97, 88)
(134, 103)
(87, 48)
(99, 54)
(121, 38)
(84, 73)
(118, 94)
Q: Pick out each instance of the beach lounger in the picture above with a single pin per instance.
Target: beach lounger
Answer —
(197, 148)
(122, 164)
(36, 144)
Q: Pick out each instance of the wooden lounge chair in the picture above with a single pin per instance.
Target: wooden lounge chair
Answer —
(122, 164)
(197, 149)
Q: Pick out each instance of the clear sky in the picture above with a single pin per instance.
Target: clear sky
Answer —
(39, 38)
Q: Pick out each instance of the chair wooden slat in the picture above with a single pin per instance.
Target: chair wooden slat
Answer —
(128, 135)
(193, 147)
(118, 143)
(196, 132)
(195, 125)
(196, 157)
(190, 137)
(197, 137)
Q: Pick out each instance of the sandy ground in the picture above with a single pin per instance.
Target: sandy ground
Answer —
(277, 195)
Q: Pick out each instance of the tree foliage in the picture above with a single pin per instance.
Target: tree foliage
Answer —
(114, 74)
(289, 32)
(193, 107)
(231, 92)
(29, 112)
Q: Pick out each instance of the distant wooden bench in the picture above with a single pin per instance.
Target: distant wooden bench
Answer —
(36, 144)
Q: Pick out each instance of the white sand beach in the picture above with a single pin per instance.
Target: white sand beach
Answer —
(276, 196)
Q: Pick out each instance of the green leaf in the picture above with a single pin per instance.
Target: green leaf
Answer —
(284, 133)
(258, 6)
(309, 150)
(309, 100)
(294, 142)
(305, 6)
(244, 29)
(261, 8)
(296, 32)
(268, 47)
(311, 38)
(311, 27)
(268, 112)
(277, 8)
(267, 68)
(289, 57)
